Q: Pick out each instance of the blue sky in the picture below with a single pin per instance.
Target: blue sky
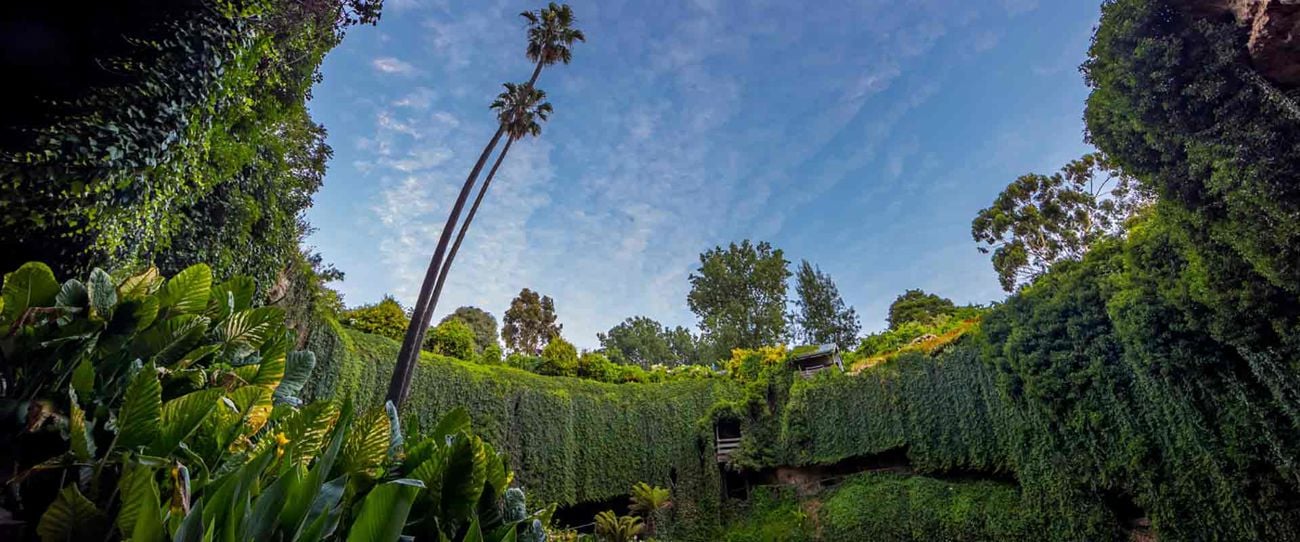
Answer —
(862, 136)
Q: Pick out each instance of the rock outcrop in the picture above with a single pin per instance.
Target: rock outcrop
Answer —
(1273, 28)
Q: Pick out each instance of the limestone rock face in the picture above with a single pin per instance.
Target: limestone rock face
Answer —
(1273, 28)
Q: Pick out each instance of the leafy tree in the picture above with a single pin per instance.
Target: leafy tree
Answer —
(386, 318)
(452, 338)
(529, 322)
(481, 322)
(596, 366)
(917, 306)
(823, 317)
(1039, 220)
(644, 342)
(739, 295)
(550, 39)
(559, 358)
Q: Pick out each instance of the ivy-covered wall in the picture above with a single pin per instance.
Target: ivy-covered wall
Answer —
(570, 440)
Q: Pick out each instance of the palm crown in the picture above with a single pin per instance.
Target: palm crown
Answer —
(551, 34)
(521, 110)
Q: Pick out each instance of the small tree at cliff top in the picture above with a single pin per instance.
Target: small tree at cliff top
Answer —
(529, 323)
(739, 295)
(918, 306)
(480, 321)
(823, 317)
(1039, 220)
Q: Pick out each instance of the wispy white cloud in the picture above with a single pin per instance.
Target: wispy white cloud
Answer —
(394, 66)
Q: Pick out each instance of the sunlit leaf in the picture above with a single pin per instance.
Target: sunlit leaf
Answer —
(141, 412)
(31, 285)
(187, 292)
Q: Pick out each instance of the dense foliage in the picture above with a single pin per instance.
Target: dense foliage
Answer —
(166, 409)
(189, 143)
(644, 342)
(481, 322)
(1039, 220)
(918, 306)
(738, 293)
(386, 318)
(888, 506)
(823, 317)
(529, 323)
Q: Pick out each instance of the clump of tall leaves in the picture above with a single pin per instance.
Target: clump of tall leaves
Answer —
(173, 405)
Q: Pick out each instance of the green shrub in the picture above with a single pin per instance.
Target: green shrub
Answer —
(386, 318)
(559, 358)
(451, 338)
(596, 366)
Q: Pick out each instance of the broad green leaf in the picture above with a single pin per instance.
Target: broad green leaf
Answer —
(70, 517)
(367, 446)
(456, 421)
(474, 534)
(141, 285)
(180, 417)
(323, 516)
(191, 528)
(297, 369)
(433, 472)
(139, 497)
(83, 377)
(307, 429)
(171, 339)
(196, 355)
(187, 292)
(138, 422)
(103, 294)
(463, 476)
(383, 512)
(245, 331)
(230, 297)
(146, 311)
(72, 294)
(497, 475)
(264, 516)
(254, 405)
(31, 285)
(296, 512)
(83, 446)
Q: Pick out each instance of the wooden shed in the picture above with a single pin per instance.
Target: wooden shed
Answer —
(810, 361)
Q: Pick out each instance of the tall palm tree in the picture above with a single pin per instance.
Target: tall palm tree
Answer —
(550, 39)
(522, 110)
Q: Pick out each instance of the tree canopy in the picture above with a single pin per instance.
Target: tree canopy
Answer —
(738, 293)
(481, 322)
(917, 306)
(644, 342)
(1039, 220)
(529, 323)
(823, 316)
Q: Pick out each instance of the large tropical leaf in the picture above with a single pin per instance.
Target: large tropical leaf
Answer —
(72, 295)
(140, 518)
(169, 340)
(83, 377)
(297, 369)
(254, 405)
(103, 294)
(326, 508)
(264, 517)
(298, 510)
(230, 297)
(187, 292)
(245, 331)
(141, 414)
(455, 422)
(383, 512)
(70, 517)
(463, 477)
(180, 417)
(141, 285)
(306, 430)
(83, 446)
(367, 446)
(31, 285)
(273, 354)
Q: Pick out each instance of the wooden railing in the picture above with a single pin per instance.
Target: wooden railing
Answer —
(725, 446)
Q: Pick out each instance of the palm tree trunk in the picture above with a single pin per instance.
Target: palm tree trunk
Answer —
(469, 219)
(399, 386)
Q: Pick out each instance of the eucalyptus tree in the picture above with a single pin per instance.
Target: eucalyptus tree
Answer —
(551, 36)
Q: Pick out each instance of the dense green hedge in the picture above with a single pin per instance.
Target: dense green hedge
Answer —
(570, 440)
(888, 506)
